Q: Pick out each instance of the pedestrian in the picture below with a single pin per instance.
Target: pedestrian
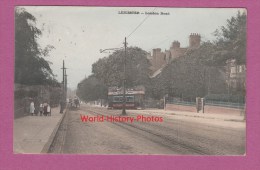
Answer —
(32, 108)
(45, 106)
(49, 110)
(41, 109)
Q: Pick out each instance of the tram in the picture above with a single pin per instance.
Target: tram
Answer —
(134, 98)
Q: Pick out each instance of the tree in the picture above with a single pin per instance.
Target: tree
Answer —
(192, 75)
(203, 71)
(231, 40)
(231, 48)
(91, 89)
(110, 70)
(30, 66)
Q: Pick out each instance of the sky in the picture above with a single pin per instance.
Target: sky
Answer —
(78, 33)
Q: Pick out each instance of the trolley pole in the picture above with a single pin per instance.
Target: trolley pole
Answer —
(124, 82)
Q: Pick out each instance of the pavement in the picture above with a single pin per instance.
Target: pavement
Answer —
(34, 134)
(215, 116)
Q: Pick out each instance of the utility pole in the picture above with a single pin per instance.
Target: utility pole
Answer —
(63, 72)
(63, 80)
(209, 83)
(64, 84)
(124, 78)
(124, 82)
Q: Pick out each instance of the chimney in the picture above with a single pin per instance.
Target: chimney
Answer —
(194, 40)
(175, 44)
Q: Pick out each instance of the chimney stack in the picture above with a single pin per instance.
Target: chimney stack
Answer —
(194, 40)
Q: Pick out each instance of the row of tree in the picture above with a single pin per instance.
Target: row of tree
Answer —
(31, 66)
(199, 72)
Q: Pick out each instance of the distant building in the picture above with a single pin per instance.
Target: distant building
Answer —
(159, 59)
(236, 75)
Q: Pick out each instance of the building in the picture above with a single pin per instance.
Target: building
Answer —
(236, 75)
(235, 78)
(159, 59)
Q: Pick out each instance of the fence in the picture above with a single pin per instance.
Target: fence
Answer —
(225, 104)
(178, 101)
(211, 106)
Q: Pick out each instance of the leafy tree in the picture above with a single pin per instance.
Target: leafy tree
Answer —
(192, 75)
(231, 45)
(231, 40)
(30, 66)
(110, 70)
(203, 71)
(91, 89)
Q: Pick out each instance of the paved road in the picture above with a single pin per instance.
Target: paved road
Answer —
(174, 135)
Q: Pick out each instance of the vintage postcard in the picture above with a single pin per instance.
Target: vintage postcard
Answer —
(130, 80)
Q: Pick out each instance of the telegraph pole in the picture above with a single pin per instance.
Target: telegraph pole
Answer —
(66, 85)
(64, 88)
(63, 80)
(124, 82)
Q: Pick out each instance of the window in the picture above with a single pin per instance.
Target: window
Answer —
(121, 99)
(233, 70)
(129, 98)
(241, 68)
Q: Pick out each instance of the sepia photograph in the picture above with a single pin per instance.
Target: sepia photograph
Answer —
(130, 80)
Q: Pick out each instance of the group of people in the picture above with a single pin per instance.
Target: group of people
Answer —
(44, 109)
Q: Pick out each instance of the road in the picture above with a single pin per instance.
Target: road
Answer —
(177, 135)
